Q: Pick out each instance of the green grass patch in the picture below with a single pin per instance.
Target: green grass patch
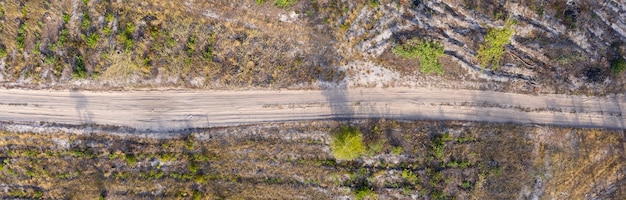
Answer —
(347, 144)
(427, 51)
(492, 49)
(285, 3)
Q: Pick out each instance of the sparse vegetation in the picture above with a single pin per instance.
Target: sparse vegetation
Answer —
(492, 49)
(252, 164)
(427, 51)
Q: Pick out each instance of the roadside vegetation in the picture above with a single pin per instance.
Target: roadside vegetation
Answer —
(430, 160)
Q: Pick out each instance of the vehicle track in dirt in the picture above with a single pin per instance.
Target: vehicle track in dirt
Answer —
(170, 110)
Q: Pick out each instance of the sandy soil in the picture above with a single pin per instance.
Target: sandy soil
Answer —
(174, 110)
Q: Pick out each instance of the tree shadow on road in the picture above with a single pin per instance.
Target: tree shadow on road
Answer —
(81, 104)
(339, 103)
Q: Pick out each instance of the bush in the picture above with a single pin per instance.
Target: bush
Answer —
(617, 66)
(347, 144)
(492, 50)
(427, 51)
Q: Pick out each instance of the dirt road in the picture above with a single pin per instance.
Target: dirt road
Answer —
(173, 110)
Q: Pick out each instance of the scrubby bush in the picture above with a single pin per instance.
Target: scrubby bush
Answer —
(492, 49)
(347, 143)
(427, 51)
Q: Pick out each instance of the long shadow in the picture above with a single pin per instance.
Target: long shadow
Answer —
(81, 104)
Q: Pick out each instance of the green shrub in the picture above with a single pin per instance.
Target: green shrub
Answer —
(24, 11)
(375, 148)
(466, 185)
(79, 71)
(347, 144)
(109, 17)
(427, 51)
(397, 150)
(92, 40)
(285, 3)
(373, 3)
(617, 66)
(66, 18)
(130, 159)
(363, 193)
(63, 37)
(3, 52)
(409, 176)
(492, 49)
(21, 35)
(86, 22)
(260, 1)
